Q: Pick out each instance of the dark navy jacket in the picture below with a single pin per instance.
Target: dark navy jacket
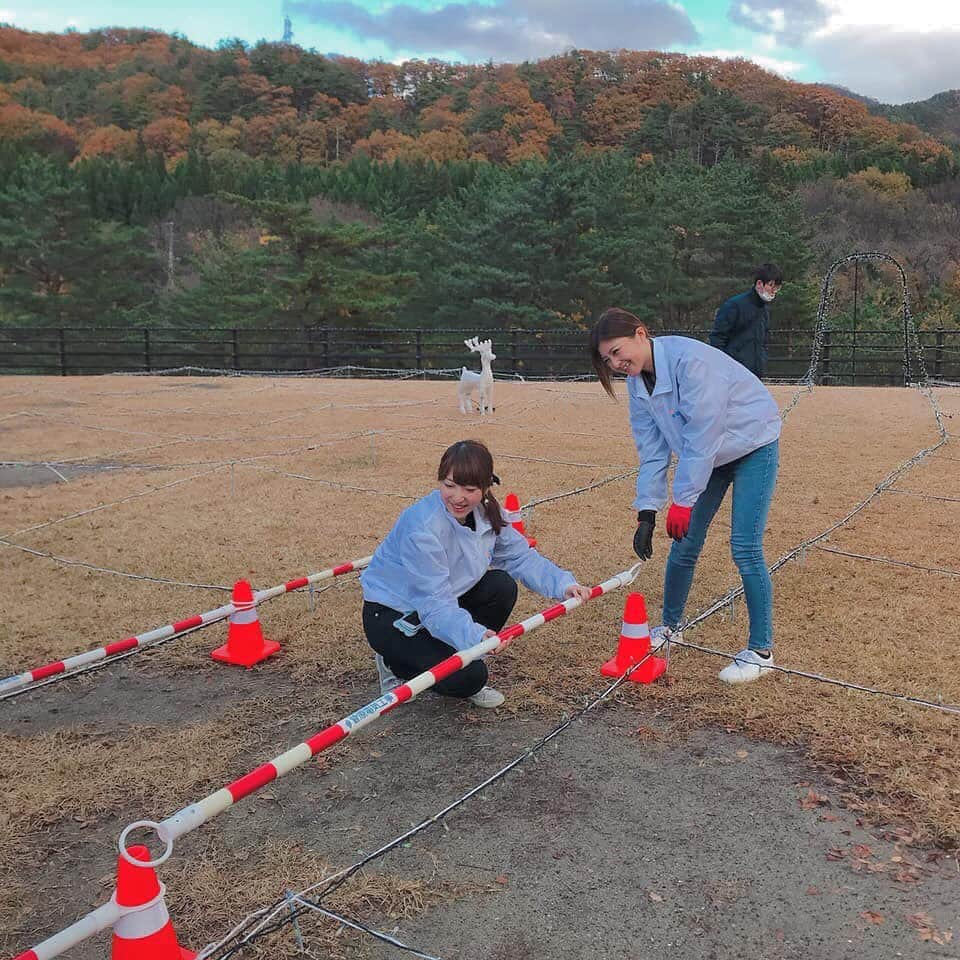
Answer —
(741, 329)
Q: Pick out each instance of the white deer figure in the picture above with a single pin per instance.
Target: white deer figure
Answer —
(482, 381)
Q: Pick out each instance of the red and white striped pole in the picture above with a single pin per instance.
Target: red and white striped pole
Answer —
(106, 915)
(189, 818)
(193, 816)
(21, 680)
(136, 911)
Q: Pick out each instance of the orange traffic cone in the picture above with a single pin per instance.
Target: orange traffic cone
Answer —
(245, 644)
(634, 645)
(146, 933)
(511, 511)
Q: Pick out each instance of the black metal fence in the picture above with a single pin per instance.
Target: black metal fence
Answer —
(847, 357)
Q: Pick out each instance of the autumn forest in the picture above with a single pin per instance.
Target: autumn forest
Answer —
(145, 180)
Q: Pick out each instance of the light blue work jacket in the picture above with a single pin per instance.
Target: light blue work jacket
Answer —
(706, 408)
(429, 560)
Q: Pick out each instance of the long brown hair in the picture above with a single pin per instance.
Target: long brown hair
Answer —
(470, 464)
(613, 322)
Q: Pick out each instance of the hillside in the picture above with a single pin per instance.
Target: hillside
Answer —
(147, 181)
(939, 115)
(119, 92)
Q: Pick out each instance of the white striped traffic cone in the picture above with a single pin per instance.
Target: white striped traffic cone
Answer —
(634, 645)
(512, 514)
(145, 933)
(245, 644)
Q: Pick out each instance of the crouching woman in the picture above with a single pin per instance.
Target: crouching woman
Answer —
(445, 578)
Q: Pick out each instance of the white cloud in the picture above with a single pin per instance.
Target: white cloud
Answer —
(42, 20)
(918, 16)
(891, 50)
(507, 30)
(893, 66)
(783, 67)
(789, 21)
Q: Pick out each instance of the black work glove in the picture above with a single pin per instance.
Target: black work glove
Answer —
(643, 538)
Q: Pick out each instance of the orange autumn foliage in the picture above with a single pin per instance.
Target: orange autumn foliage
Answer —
(176, 95)
(169, 136)
(109, 141)
(893, 184)
(37, 130)
(384, 145)
(440, 116)
(439, 146)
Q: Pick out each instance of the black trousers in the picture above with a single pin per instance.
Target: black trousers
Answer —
(490, 602)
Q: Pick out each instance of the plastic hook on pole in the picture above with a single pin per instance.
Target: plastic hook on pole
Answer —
(151, 825)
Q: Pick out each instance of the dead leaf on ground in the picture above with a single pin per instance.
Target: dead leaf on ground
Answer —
(813, 800)
(899, 835)
(655, 897)
(871, 916)
(923, 923)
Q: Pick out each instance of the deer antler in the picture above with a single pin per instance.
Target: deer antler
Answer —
(473, 343)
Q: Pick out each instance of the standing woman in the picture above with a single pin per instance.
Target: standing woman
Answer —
(445, 577)
(692, 400)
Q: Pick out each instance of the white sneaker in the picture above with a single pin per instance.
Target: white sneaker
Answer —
(388, 681)
(746, 666)
(487, 697)
(662, 637)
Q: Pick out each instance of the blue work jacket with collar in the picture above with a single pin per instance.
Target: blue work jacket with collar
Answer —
(429, 560)
(705, 408)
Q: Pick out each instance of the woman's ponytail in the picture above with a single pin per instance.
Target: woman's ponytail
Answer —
(492, 511)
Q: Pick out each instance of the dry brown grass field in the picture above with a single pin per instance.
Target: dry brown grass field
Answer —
(197, 482)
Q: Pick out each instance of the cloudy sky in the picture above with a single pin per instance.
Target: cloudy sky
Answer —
(892, 50)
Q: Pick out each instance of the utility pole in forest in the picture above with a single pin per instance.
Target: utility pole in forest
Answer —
(168, 229)
(287, 30)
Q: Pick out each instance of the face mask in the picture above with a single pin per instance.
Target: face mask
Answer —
(766, 297)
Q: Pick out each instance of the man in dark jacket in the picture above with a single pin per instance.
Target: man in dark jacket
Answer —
(741, 327)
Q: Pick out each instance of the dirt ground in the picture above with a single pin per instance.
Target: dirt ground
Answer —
(788, 818)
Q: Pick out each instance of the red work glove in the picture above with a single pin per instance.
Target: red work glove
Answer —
(678, 521)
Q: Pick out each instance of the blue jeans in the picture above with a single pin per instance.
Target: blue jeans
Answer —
(754, 478)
